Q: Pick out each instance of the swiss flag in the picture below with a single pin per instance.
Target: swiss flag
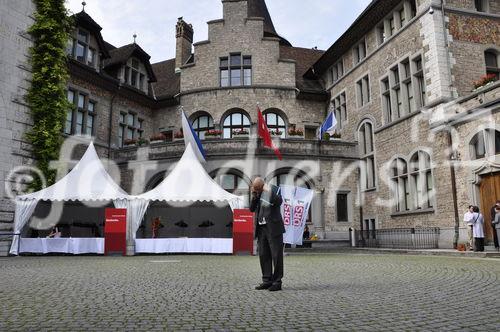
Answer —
(263, 133)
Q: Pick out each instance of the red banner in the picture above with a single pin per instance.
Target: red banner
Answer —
(115, 231)
(243, 231)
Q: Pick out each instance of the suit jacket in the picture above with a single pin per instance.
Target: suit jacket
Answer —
(270, 204)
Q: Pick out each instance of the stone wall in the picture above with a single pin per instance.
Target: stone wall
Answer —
(15, 18)
(472, 35)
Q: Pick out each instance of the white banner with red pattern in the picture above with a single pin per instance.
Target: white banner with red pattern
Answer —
(295, 209)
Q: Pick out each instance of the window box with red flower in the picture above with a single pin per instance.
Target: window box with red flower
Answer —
(295, 133)
(485, 80)
(157, 138)
(213, 134)
(241, 133)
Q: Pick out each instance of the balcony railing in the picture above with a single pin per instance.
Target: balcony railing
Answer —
(240, 147)
(399, 238)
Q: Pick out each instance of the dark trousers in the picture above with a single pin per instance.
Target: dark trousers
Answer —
(495, 236)
(270, 254)
(479, 244)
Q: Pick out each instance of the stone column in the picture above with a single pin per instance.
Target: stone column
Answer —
(317, 213)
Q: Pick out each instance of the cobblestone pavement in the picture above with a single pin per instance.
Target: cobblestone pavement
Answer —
(340, 292)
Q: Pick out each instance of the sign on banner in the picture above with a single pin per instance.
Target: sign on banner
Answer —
(294, 209)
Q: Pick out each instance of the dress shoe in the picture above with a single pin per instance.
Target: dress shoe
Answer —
(274, 288)
(263, 286)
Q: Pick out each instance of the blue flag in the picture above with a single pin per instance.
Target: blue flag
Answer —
(328, 126)
(190, 136)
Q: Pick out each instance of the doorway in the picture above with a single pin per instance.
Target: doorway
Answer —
(489, 190)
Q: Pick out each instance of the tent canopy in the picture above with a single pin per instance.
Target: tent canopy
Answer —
(189, 182)
(87, 181)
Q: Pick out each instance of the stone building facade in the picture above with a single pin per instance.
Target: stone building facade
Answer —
(399, 81)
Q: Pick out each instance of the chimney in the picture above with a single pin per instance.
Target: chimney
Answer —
(183, 43)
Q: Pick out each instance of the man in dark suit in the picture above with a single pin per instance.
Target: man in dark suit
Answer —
(492, 219)
(269, 229)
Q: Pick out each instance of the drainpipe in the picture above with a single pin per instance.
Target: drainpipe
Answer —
(452, 159)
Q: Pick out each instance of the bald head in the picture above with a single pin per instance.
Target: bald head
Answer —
(258, 185)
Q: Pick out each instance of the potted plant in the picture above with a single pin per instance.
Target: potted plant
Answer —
(485, 80)
(213, 134)
(336, 135)
(157, 138)
(326, 136)
(276, 133)
(295, 133)
(130, 142)
(241, 132)
(142, 141)
(461, 247)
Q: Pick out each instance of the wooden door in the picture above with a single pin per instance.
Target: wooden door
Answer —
(490, 193)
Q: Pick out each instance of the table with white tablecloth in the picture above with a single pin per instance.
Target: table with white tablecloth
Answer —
(62, 245)
(184, 245)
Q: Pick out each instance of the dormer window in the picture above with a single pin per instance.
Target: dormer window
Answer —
(80, 50)
(135, 74)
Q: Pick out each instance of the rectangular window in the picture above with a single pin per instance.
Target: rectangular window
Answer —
(235, 70)
(402, 17)
(236, 60)
(126, 77)
(121, 132)
(224, 78)
(79, 123)
(363, 90)
(419, 84)
(342, 207)
(381, 37)
(359, 52)
(131, 127)
(247, 76)
(81, 100)
(69, 113)
(235, 77)
(83, 36)
(340, 109)
(80, 52)
(386, 99)
(391, 26)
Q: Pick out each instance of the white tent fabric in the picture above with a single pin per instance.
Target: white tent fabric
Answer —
(87, 181)
(188, 182)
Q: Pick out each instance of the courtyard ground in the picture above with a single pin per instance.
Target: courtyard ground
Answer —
(330, 292)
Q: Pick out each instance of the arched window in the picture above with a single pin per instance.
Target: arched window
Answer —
(400, 186)
(422, 184)
(491, 61)
(202, 124)
(234, 122)
(233, 183)
(275, 123)
(485, 143)
(366, 147)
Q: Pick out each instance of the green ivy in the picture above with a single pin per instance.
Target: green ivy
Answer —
(46, 96)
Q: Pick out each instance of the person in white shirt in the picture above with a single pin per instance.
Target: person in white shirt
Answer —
(478, 229)
(468, 224)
